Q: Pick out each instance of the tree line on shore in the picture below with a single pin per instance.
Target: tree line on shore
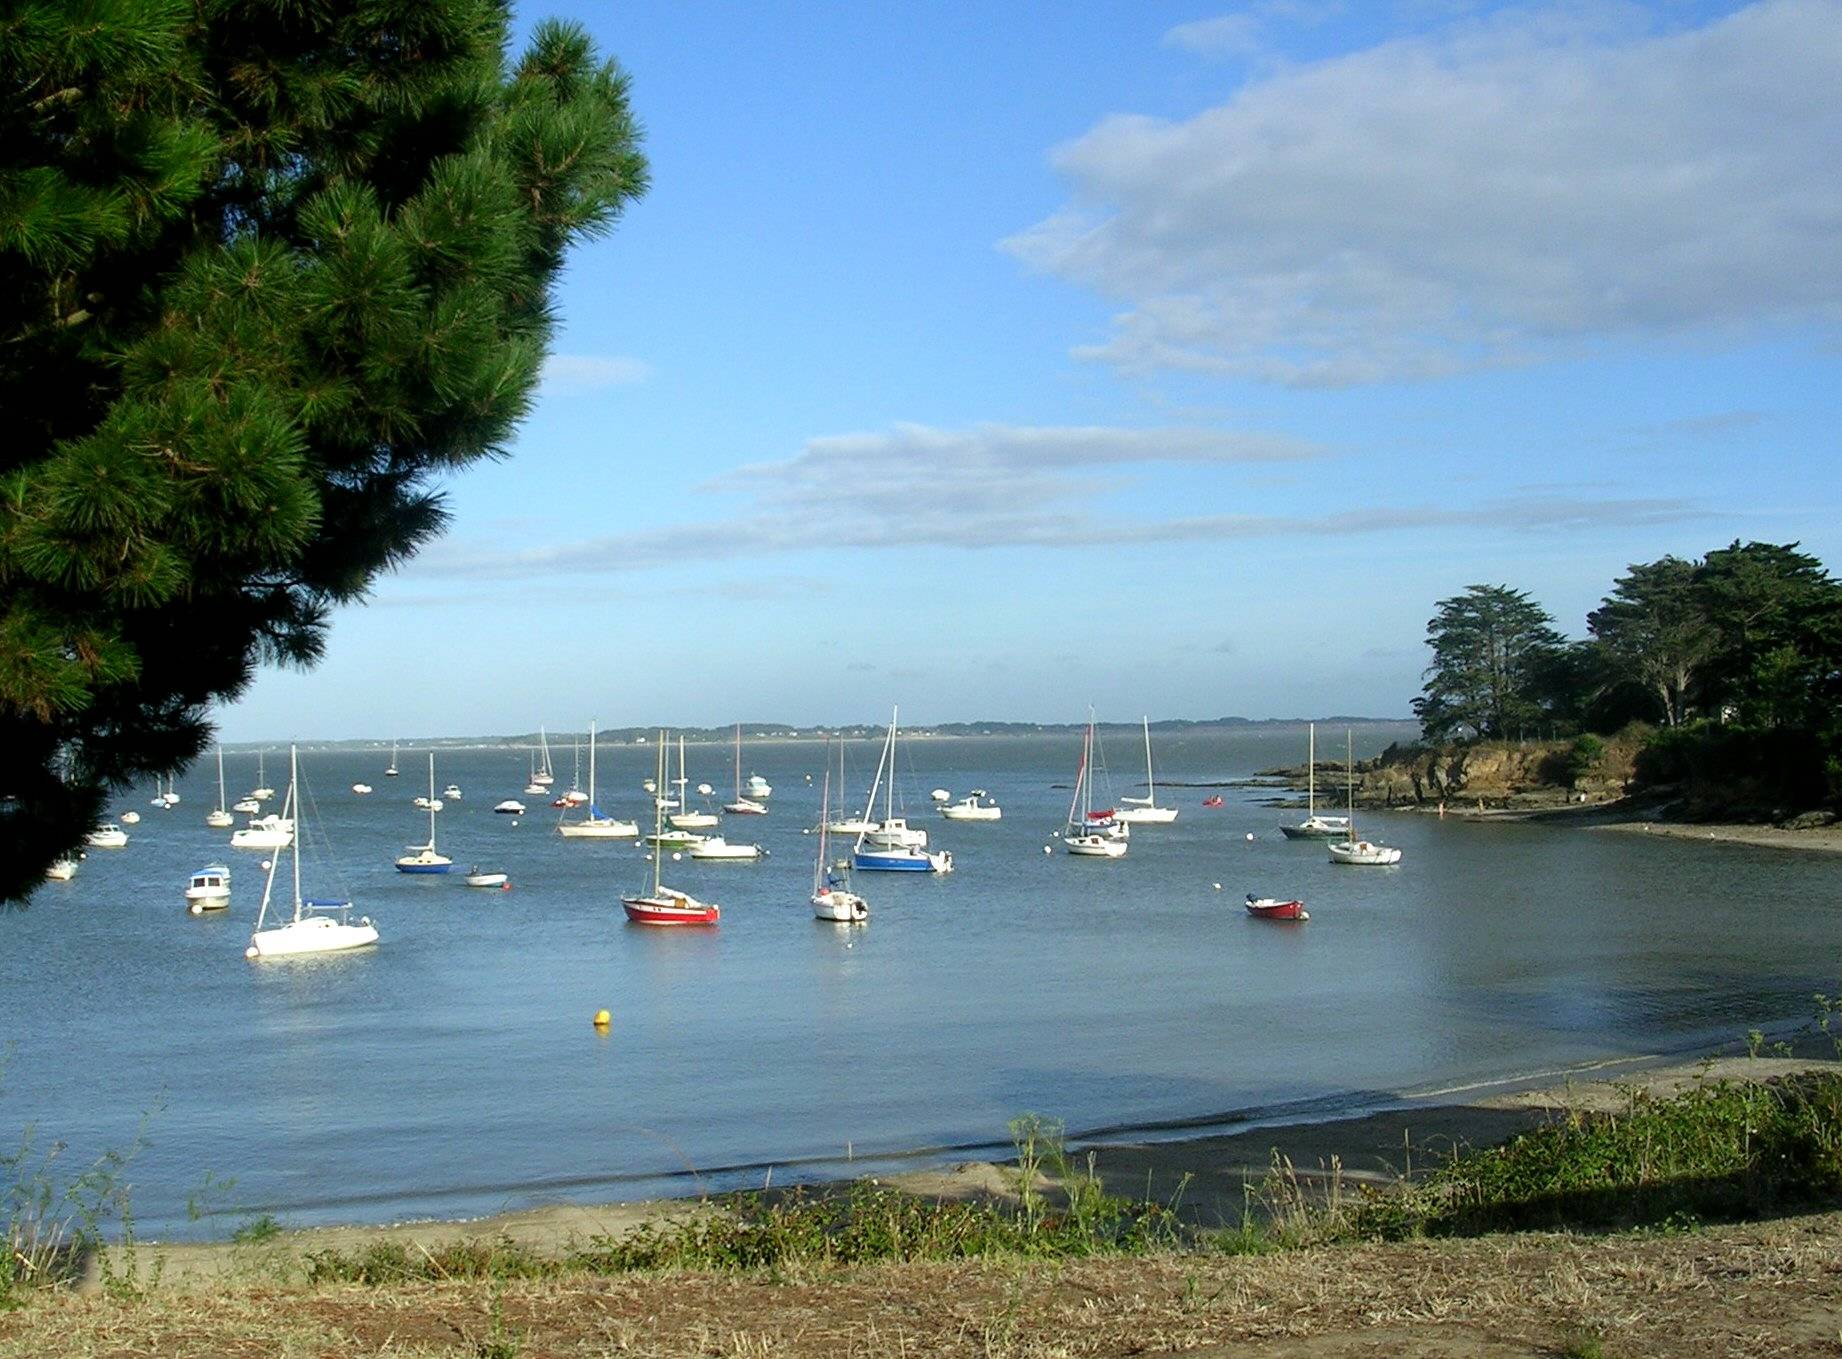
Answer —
(1733, 661)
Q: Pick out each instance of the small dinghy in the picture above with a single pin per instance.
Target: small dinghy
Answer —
(478, 877)
(510, 807)
(1271, 908)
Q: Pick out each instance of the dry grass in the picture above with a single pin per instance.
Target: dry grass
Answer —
(1754, 1290)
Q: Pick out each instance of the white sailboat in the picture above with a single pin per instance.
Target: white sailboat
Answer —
(685, 818)
(832, 897)
(1352, 850)
(1315, 827)
(543, 776)
(846, 823)
(595, 826)
(1144, 811)
(316, 926)
(426, 858)
(262, 792)
(1091, 834)
(220, 818)
(892, 845)
(743, 806)
(390, 771)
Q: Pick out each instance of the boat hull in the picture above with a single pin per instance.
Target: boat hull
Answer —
(1363, 854)
(840, 907)
(871, 860)
(1317, 828)
(670, 911)
(963, 813)
(314, 934)
(694, 820)
(488, 880)
(599, 830)
(1266, 908)
(1146, 816)
(1095, 847)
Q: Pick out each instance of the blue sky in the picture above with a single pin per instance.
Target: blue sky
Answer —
(1173, 358)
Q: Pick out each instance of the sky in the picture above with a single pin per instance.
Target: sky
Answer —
(1167, 358)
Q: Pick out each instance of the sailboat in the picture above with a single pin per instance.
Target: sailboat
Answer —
(165, 799)
(832, 897)
(220, 818)
(317, 926)
(846, 823)
(543, 777)
(685, 818)
(667, 905)
(425, 858)
(390, 772)
(743, 806)
(1094, 834)
(262, 792)
(1351, 850)
(532, 787)
(1315, 827)
(595, 826)
(1144, 811)
(892, 846)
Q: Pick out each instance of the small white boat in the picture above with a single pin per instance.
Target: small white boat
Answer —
(976, 806)
(849, 825)
(208, 890)
(317, 926)
(892, 845)
(941, 795)
(675, 839)
(649, 786)
(716, 847)
(743, 806)
(688, 819)
(131, 818)
(249, 806)
(757, 787)
(107, 836)
(426, 858)
(534, 789)
(1315, 827)
(478, 877)
(543, 776)
(1108, 842)
(452, 790)
(390, 770)
(170, 797)
(361, 788)
(510, 807)
(61, 870)
(218, 818)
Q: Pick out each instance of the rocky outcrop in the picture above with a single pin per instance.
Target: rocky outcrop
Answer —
(1495, 774)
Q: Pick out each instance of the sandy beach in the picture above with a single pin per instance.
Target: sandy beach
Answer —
(1821, 839)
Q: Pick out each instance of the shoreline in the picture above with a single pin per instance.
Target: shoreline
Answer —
(1207, 1172)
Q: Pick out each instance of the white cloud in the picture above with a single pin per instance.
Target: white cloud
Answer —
(573, 374)
(1001, 486)
(1246, 32)
(1504, 191)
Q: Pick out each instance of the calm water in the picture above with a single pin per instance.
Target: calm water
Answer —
(454, 1072)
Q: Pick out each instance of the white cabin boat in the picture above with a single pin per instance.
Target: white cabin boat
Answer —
(316, 926)
(208, 890)
(975, 806)
(716, 847)
(107, 836)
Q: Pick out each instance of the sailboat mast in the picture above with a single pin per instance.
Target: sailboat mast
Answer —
(592, 810)
(1151, 788)
(1349, 765)
(220, 776)
(292, 803)
(882, 759)
(1080, 781)
(1311, 773)
(658, 817)
(889, 790)
(818, 869)
(738, 762)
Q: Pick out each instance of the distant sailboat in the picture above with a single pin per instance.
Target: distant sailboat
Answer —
(220, 818)
(1315, 827)
(426, 858)
(1092, 834)
(832, 897)
(743, 806)
(391, 771)
(595, 826)
(1144, 811)
(892, 846)
(684, 818)
(543, 777)
(317, 926)
(667, 905)
(1351, 850)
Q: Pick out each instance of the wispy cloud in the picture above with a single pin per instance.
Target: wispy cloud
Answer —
(1508, 189)
(574, 374)
(1247, 32)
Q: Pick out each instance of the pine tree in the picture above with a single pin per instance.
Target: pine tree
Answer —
(267, 271)
(1493, 651)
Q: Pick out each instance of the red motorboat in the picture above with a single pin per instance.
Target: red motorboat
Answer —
(1215, 800)
(1269, 908)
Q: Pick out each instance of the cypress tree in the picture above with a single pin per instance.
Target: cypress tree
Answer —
(268, 270)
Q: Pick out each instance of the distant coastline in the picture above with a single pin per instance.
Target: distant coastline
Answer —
(787, 732)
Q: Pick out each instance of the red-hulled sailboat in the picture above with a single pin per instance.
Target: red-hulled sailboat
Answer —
(667, 905)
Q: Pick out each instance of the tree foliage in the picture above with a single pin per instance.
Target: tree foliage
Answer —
(1493, 651)
(1654, 630)
(267, 271)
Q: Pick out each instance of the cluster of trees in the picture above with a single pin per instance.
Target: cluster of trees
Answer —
(267, 272)
(1748, 637)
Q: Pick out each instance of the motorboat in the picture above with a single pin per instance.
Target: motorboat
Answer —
(940, 795)
(716, 847)
(535, 789)
(892, 845)
(361, 788)
(131, 818)
(664, 905)
(429, 804)
(894, 832)
(264, 832)
(1315, 827)
(975, 806)
(595, 825)
(452, 791)
(1271, 908)
(317, 926)
(107, 836)
(674, 839)
(486, 877)
(426, 858)
(510, 807)
(757, 787)
(248, 806)
(1144, 811)
(61, 870)
(208, 890)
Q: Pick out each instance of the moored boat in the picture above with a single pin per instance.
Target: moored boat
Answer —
(667, 905)
(1091, 834)
(892, 846)
(61, 870)
(975, 806)
(1271, 908)
(1315, 827)
(208, 890)
(487, 877)
(510, 807)
(317, 926)
(425, 859)
(1144, 811)
(593, 826)
(832, 897)
(1352, 850)
(107, 836)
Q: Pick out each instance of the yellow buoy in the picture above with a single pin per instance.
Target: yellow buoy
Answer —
(602, 1019)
